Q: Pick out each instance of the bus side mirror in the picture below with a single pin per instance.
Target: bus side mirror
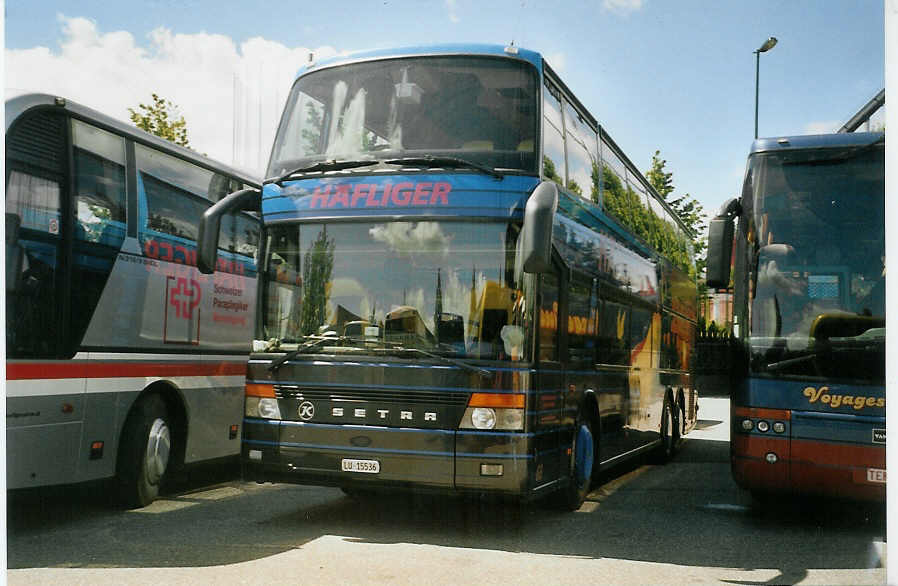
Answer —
(210, 225)
(536, 235)
(720, 245)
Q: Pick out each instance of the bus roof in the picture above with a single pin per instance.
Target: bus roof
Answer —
(426, 50)
(20, 104)
(815, 141)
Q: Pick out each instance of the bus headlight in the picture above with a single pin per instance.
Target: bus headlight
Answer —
(483, 418)
(763, 426)
(747, 425)
(262, 407)
(779, 427)
(499, 411)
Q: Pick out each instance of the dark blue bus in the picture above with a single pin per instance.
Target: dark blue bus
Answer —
(809, 393)
(465, 286)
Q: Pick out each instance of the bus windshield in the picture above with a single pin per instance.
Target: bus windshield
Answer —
(444, 287)
(818, 302)
(480, 109)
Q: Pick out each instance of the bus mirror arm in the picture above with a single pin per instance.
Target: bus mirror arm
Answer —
(720, 244)
(210, 224)
(536, 235)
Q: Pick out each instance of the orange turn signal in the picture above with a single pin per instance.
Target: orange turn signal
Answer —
(499, 400)
(257, 390)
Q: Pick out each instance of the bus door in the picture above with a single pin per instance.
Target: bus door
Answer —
(550, 418)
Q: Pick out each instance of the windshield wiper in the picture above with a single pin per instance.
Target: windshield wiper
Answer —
(316, 341)
(307, 346)
(446, 163)
(321, 166)
(399, 348)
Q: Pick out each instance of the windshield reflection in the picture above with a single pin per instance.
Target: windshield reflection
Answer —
(444, 287)
(818, 306)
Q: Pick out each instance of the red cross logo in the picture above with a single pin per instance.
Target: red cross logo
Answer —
(185, 297)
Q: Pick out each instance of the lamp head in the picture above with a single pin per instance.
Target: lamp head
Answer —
(768, 44)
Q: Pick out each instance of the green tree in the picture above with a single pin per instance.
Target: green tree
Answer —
(159, 118)
(317, 268)
(687, 208)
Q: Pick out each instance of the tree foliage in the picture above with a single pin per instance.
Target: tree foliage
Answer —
(630, 209)
(162, 119)
(689, 210)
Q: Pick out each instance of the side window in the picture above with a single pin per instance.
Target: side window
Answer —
(99, 185)
(172, 210)
(548, 318)
(35, 150)
(614, 191)
(99, 222)
(580, 142)
(240, 234)
(174, 195)
(581, 319)
(553, 137)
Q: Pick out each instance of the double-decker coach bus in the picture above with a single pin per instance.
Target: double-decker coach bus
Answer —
(808, 397)
(122, 359)
(464, 286)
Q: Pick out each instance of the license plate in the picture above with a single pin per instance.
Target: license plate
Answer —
(363, 466)
(876, 475)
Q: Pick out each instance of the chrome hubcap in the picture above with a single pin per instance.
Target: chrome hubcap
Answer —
(158, 446)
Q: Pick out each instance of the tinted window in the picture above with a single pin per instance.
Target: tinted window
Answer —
(581, 319)
(548, 318)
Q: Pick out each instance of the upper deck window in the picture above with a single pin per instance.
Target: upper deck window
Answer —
(477, 108)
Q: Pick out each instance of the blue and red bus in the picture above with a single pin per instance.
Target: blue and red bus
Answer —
(465, 285)
(808, 395)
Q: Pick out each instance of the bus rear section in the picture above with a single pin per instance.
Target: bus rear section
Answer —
(386, 422)
(809, 400)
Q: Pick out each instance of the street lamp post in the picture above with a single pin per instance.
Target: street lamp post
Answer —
(768, 44)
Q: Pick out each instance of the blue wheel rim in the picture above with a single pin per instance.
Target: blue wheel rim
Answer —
(583, 456)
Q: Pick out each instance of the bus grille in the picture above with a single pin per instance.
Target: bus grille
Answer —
(411, 396)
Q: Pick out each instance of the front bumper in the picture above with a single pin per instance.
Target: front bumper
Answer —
(441, 460)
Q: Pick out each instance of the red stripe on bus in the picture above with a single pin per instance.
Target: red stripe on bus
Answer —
(120, 369)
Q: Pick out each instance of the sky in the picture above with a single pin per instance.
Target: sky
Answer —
(678, 77)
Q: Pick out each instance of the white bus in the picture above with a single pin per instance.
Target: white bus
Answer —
(122, 359)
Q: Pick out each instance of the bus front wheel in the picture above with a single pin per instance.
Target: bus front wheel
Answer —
(144, 452)
(583, 454)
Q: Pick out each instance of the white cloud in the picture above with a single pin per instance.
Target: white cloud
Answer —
(224, 91)
(622, 7)
(822, 127)
(452, 9)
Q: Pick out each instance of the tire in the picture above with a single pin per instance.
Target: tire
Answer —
(668, 445)
(144, 452)
(583, 454)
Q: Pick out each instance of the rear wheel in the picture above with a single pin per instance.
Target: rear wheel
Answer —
(143, 458)
(667, 448)
(582, 462)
